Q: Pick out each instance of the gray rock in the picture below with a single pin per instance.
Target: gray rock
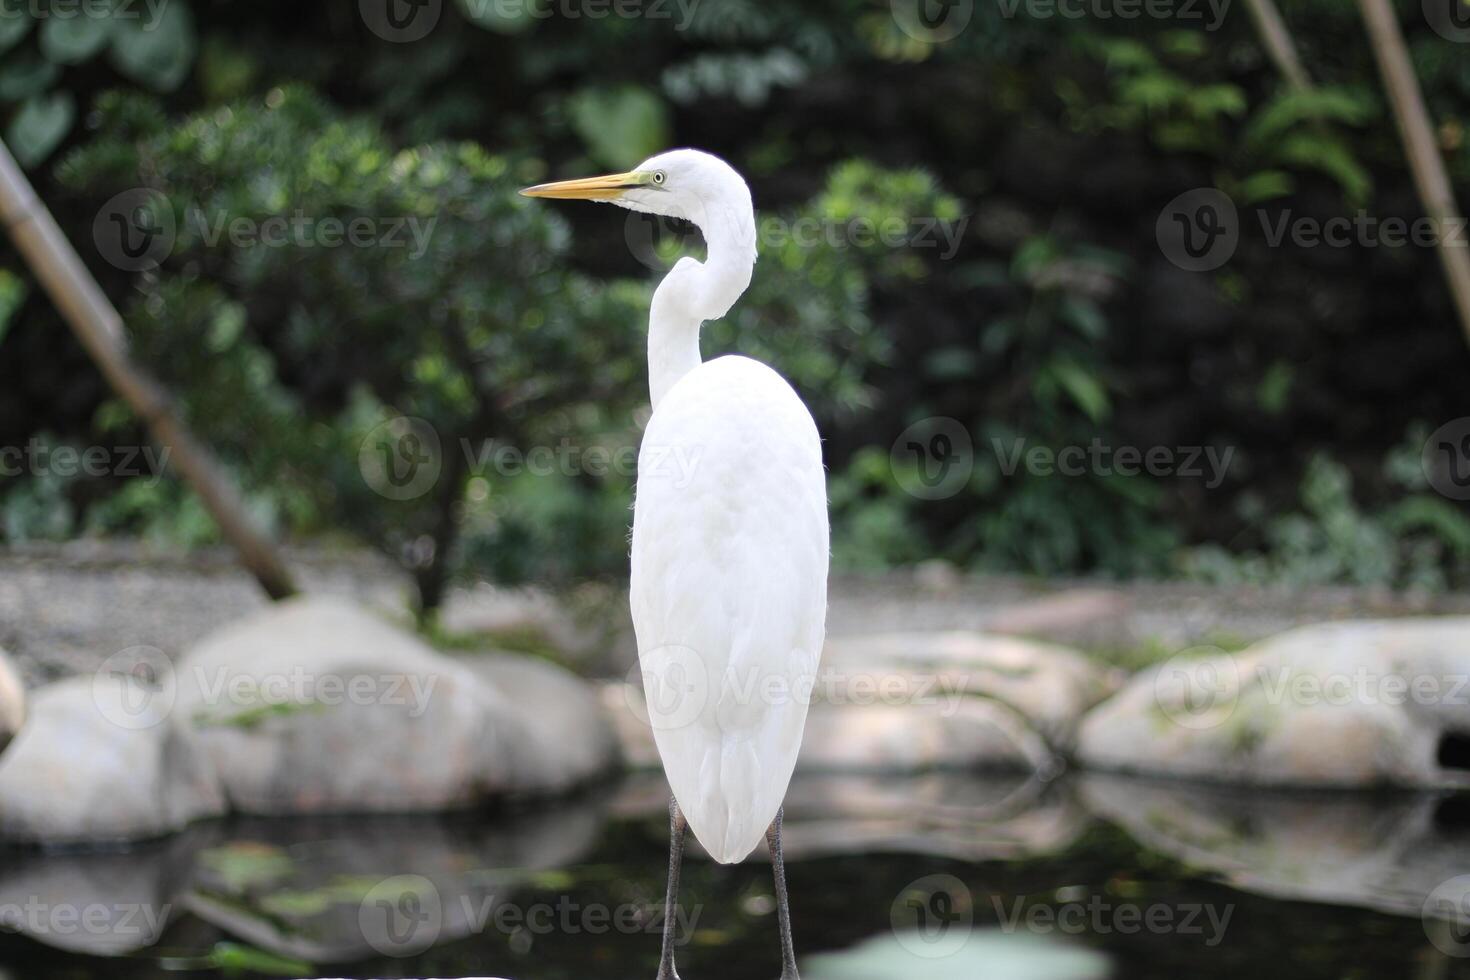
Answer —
(100, 760)
(557, 735)
(972, 733)
(1351, 704)
(12, 700)
(906, 702)
(316, 705)
(1049, 687)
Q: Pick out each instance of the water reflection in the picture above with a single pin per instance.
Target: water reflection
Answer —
(1387, 853)
(348, 889)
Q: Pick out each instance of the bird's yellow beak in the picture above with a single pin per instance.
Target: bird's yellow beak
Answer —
(606, 188)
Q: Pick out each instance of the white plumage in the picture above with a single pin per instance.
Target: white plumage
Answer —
(730, 539)
(729, 592)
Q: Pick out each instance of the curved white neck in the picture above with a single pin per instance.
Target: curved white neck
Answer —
(695, 291)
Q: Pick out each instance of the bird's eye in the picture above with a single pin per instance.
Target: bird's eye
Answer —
(658, 176)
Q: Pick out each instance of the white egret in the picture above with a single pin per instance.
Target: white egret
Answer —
(729, 578)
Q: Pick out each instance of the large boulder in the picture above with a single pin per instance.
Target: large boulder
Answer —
(316, 705)
(909, 702)
(1349, 704)
(99, 760)
(12, 700)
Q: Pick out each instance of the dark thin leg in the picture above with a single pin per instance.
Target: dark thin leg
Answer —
(783, 907)
(677, 826)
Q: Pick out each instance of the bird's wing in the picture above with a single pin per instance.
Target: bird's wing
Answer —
(729, 592)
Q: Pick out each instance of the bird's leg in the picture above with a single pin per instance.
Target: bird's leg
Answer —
(677, 826)
(783, 907)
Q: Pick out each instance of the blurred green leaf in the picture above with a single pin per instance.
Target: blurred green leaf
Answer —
(157, 52)
(620, 126)
(498, 16)
(40, 126)
(15, 22)
(26, 75)
(72, 40)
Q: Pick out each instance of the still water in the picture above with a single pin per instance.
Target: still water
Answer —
(1149, 881)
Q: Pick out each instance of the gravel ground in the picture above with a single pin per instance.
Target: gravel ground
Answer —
(65, 608)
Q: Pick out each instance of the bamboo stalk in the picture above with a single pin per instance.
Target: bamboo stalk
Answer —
(1417, 132)
(99, 328)
(1280, 47)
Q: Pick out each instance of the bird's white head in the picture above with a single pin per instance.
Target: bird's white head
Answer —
(697, 187)
(688, 184)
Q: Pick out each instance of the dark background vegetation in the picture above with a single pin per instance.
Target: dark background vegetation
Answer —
(1059, 320)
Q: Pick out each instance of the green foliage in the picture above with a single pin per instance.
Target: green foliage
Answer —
(1419, 541)
(43, 42)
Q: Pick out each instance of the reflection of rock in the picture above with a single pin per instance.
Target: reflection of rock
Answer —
(100, 760)
(12, 700)
(1332, 705)
(946, 814)
(909, 702)
(338, 889)
(1341, 849)
(315, 705)
(99, 904)
(983, 953)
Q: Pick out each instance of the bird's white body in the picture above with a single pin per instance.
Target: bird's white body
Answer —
(730, 538)
(729, 592)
